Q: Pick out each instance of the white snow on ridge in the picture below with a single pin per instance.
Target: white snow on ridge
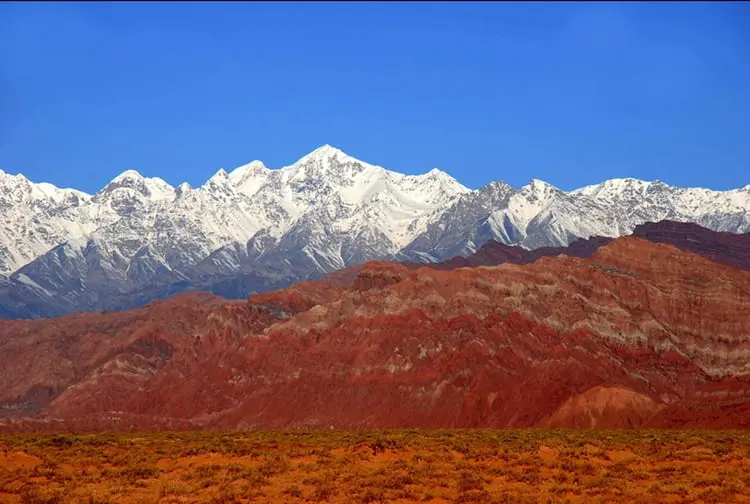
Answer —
(227, 208)
(28, 281)
(156, 188)
(686, 203)
(333, 195)
(249, 178)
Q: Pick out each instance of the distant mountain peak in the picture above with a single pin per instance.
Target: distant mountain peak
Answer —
(128, 175)
(437, 173)
(538, 183)
(219, 180)
(133, 176)
(255, 166)
(249, 178)
(608, 188)
(326, 152)
(496, 188)
(446, 181)
(497, 183)
(17, 177)
(150, 187)
(221, 173)
(626, 181)
(539, 188)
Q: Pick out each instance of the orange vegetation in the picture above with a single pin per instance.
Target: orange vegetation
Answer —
(457, 466)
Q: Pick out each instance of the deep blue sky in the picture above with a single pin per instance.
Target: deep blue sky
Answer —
(568, 93)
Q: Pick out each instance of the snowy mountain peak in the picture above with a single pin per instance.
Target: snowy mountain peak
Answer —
(538, 189)
(128, 175)
(221, 174)
(625, 181)
(130, 181)
(8, 177)
(219, 183)
(438, 174)
(252, 168)
(497, 187)
(540, 184)
(615, 185)
(249, 178)
(325, 158)
(322, 169)
(60, 195)
(439, 181)
(324, 152)
(20, 188)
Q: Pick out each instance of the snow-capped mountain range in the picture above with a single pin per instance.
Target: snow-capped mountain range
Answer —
(138, 238)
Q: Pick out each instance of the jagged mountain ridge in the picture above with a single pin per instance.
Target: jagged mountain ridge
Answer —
(229, 208)
(541, 215)
(256, 229)
(142, 239)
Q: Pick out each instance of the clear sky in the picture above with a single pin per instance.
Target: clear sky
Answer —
(568, 93)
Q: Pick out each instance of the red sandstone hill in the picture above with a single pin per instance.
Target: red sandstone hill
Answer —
(638, 334)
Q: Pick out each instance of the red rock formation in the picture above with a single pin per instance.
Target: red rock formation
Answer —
(725, 248)
(94, 363)
(637, 334)
(609, 407)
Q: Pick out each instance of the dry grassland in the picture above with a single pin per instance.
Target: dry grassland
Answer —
(400, 466)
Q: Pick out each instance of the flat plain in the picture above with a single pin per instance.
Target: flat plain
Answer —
(370, 466)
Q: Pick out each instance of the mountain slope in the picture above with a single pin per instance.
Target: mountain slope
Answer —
(721, 247)
(636, 202)
(643, 329)
(540, 215)
(36, 217)
(144, 239)
(254, 229)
